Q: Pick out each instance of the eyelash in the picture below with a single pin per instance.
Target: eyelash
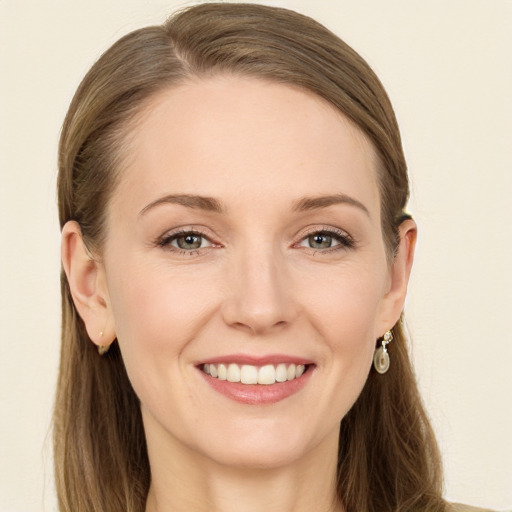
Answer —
(167, 239)
(345, 241)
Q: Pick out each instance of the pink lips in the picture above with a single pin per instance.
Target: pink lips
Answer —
(257, 394)
(256, 360)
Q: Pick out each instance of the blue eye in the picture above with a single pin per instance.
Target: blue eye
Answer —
(324, 240)
(186, 241)
(321, 241)
(189, 241)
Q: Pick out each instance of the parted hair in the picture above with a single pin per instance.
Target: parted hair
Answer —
(388, 459)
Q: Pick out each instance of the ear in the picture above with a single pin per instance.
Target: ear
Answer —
(394, 299)
(87, 284)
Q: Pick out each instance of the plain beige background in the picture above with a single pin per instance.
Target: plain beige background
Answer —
(447, 65)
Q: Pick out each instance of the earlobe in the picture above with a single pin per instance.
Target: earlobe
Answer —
(401, 266)
(87, 285)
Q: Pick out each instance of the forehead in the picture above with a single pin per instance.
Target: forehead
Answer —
(241, 138)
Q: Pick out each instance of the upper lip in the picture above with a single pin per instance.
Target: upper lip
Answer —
(263, 360)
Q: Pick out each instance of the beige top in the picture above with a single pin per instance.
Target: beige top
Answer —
(459, 507)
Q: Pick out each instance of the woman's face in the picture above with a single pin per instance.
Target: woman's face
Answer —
(245, 234)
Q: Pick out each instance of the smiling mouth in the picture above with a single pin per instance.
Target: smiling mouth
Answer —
(248, 374)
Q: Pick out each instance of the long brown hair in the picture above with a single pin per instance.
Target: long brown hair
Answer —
(388, 458)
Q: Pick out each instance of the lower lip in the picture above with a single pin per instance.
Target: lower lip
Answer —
(258, 394)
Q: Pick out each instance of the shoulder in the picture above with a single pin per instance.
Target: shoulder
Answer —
(459, 507)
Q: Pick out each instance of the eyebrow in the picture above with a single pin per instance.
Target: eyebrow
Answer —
(190, 201)
(314, 203)
(213, 205)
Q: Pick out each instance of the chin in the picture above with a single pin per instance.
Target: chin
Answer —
(262, 445)
(257, 457)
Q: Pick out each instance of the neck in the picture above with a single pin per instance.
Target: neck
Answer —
(183, 480)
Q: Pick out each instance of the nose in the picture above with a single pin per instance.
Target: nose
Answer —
(260, 295)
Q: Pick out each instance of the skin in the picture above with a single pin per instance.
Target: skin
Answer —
(257, 285)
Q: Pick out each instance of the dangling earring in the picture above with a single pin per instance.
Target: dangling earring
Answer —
(381, 356)
(102, 349)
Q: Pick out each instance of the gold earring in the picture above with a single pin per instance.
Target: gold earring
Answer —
(381, 356)
(103, 349)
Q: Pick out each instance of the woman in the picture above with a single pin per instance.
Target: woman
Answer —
(236, 253)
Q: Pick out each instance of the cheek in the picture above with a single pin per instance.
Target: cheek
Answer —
(347, 310)
(347, 318)
(156, 316)
(152, 305)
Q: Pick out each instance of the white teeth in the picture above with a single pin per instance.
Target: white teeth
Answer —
(233, 374)
(249, 374)
(281, 373)
(290, 374)
(267, 375)
(222, 372)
